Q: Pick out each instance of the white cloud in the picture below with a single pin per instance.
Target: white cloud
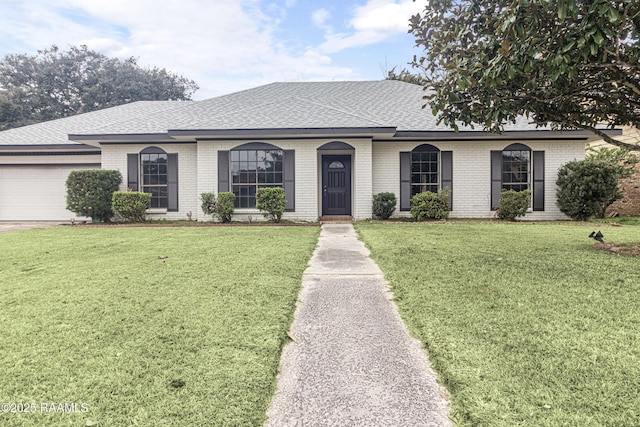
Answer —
(224, 45)
(374, 22)
(320, 17)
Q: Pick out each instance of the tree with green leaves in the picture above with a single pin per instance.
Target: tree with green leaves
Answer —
(55, 83)
(573, 64)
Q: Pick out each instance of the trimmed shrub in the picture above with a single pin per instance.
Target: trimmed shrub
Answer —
(90, 192)
(208, 203)
(224, 206)
(384, 204)
(131, 205)
(428, 205)
(271, 202)
(513, 204)
(586, 188)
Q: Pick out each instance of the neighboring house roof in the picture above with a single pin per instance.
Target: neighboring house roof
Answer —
(56, 132)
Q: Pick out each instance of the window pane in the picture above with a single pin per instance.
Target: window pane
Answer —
(424, 171)
(252, 156)
(515, 170)
(251, 169)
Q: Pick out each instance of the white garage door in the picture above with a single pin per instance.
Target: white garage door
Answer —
(35, 193)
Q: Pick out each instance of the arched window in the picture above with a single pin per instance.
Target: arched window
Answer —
(516, 167)
(253, 166)
(425, 168)
(154, 175)
(425, 173)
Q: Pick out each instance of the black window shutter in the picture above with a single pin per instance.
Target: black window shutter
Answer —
(446, 161)
(405, 180)
(223, 171)
(132, 172)
(289, 183)
(538, 180)
(172, 182)
(496, 179)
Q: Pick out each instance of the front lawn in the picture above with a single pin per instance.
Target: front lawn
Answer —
(146, 326)
(526, 324)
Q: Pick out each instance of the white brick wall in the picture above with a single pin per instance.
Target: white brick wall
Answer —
(375, 168)
(115, 157)
(472, 174)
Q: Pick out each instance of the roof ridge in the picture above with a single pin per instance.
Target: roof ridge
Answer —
(145, 116)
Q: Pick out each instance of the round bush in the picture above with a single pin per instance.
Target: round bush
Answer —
(224, 206)
(131, 205)
(384, 204)
(428, 205)
(271, 202)
(89, 192)
(586, 188)
(514, 204)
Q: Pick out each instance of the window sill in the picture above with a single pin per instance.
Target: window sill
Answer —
(156, 211)
(246, 210)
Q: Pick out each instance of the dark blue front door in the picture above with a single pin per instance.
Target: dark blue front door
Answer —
(336, 185)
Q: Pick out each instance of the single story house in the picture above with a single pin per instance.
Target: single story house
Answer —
(330, 145)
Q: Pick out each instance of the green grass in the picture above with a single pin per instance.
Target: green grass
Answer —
(111, 317)
(526, 324)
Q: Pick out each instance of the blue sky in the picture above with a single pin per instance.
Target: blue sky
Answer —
(224, 45)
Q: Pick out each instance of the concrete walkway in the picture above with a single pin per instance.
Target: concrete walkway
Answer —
(352, 362)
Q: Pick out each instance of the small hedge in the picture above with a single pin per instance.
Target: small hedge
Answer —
(224, 206)
(271, 202)
(513, 204)
(428, 205)
(131, 205)
(384, 204)
(89, 192)
(208, 203)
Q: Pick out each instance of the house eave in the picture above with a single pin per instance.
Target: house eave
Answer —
(48, 147)
(96, 140)
(507, 135)
(343, 132)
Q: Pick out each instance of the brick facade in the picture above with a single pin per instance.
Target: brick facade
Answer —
(630, 204)
(472, 174)
(375, 168)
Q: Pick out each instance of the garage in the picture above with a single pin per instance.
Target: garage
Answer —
(35, 192)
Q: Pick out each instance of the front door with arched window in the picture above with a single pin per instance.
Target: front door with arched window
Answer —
(336, 185)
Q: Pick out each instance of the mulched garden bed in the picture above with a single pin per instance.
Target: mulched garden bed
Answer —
(632, 249)
(196, 224)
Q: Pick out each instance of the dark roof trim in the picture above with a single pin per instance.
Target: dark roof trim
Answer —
(155, 141)
(48, 165)
(68, 147)
(284, 138)
(49, 153)
(506, 134)
(282, 131)
(129, 137)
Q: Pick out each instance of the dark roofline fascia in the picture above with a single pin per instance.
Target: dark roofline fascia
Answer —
(204, 133)
(63, 147)
(504, 135)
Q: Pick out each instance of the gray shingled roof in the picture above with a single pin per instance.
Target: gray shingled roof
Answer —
(301, 105)
(56, 132)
